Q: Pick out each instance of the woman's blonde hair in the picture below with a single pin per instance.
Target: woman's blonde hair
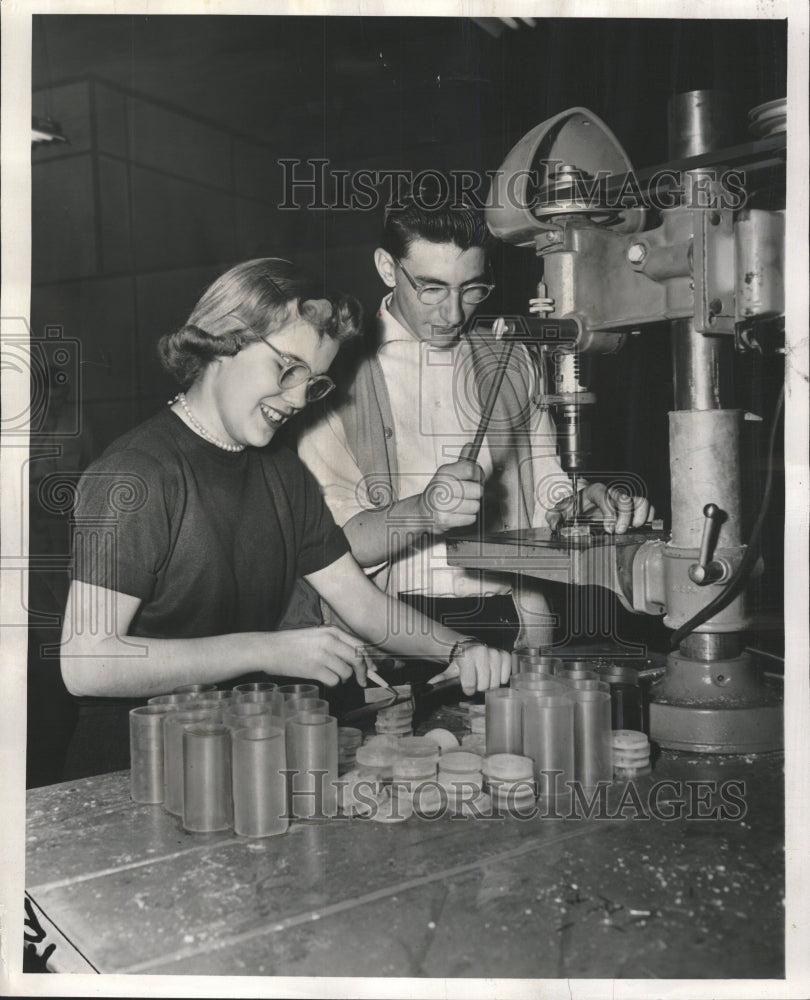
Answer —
(248, 303)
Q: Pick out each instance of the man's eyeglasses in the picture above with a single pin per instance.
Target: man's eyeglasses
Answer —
(432, 295)
(295, 372)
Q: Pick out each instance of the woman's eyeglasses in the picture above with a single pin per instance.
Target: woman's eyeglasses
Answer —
(295, 372)
(432, 295)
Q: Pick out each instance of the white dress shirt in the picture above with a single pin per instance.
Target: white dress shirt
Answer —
(435, 411)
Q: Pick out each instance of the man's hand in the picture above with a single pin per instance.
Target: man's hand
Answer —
(452, 498)
(617, 509)
(480, 668)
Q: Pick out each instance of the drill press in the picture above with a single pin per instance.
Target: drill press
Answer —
(559, 192)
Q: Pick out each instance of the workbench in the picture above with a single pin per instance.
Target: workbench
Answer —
(122, 888)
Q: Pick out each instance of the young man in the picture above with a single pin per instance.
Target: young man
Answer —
(387, 452)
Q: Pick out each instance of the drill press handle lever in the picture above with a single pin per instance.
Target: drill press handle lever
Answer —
(708, 570)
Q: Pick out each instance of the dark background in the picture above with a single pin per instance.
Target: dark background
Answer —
(176, 126)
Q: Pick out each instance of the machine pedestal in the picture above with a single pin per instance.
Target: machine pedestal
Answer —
(717, 706)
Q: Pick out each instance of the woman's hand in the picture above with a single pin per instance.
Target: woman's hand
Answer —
(480, 668)
(325, 653)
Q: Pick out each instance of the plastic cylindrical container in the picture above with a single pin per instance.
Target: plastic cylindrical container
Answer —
(417, 746)
(548, 738)
(538, 663)
(384, 740)
(146, 751)
(312, 752)
(519, 651)
(217, 695)
(459, 761)
(397, 729)
(410, 769)
(349, 736)
(377, 759)
(593, 755)
(257, 697)
(319, 706)
(411, 773)
(398, 719)
(362, 793)
(259, 782)
(478, 725)
(235, 711)
(262, 720)
(207, 778)
(585, 683)
(193, 688)
(460, 774)
(349, 739)
(504, 725)
(300, 691)
(173, 772)
(460, 786)
(255, 686)
(202, 702)
(536, 682)
(508, 767)
(509, 781)
(171, 699)
(578, 674)
(475, 742)
(585, 663)
(273, 699)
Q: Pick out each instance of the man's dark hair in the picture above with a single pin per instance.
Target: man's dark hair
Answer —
(448, 222)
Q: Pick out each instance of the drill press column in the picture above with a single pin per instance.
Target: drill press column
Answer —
(712, 698)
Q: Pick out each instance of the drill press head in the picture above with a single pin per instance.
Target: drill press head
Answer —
(553, 174)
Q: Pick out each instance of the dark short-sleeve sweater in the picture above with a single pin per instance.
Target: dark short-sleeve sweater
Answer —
(210, 541)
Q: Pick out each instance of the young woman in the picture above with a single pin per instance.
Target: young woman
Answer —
(191, 530)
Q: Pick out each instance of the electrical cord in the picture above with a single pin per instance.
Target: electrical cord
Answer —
(743, 571)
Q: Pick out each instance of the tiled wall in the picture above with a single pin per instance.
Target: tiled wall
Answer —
(130, 222)
(145, 206)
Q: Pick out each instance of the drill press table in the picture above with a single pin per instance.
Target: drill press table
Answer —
(597, 559)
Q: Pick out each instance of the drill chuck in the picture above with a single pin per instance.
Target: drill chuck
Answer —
(573, 436)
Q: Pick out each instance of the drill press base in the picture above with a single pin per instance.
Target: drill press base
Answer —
(720, 706)
(725, 730)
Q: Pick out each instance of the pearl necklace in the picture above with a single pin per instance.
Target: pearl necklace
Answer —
(198, 427)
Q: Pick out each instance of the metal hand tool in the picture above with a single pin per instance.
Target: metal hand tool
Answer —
(471, 450)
